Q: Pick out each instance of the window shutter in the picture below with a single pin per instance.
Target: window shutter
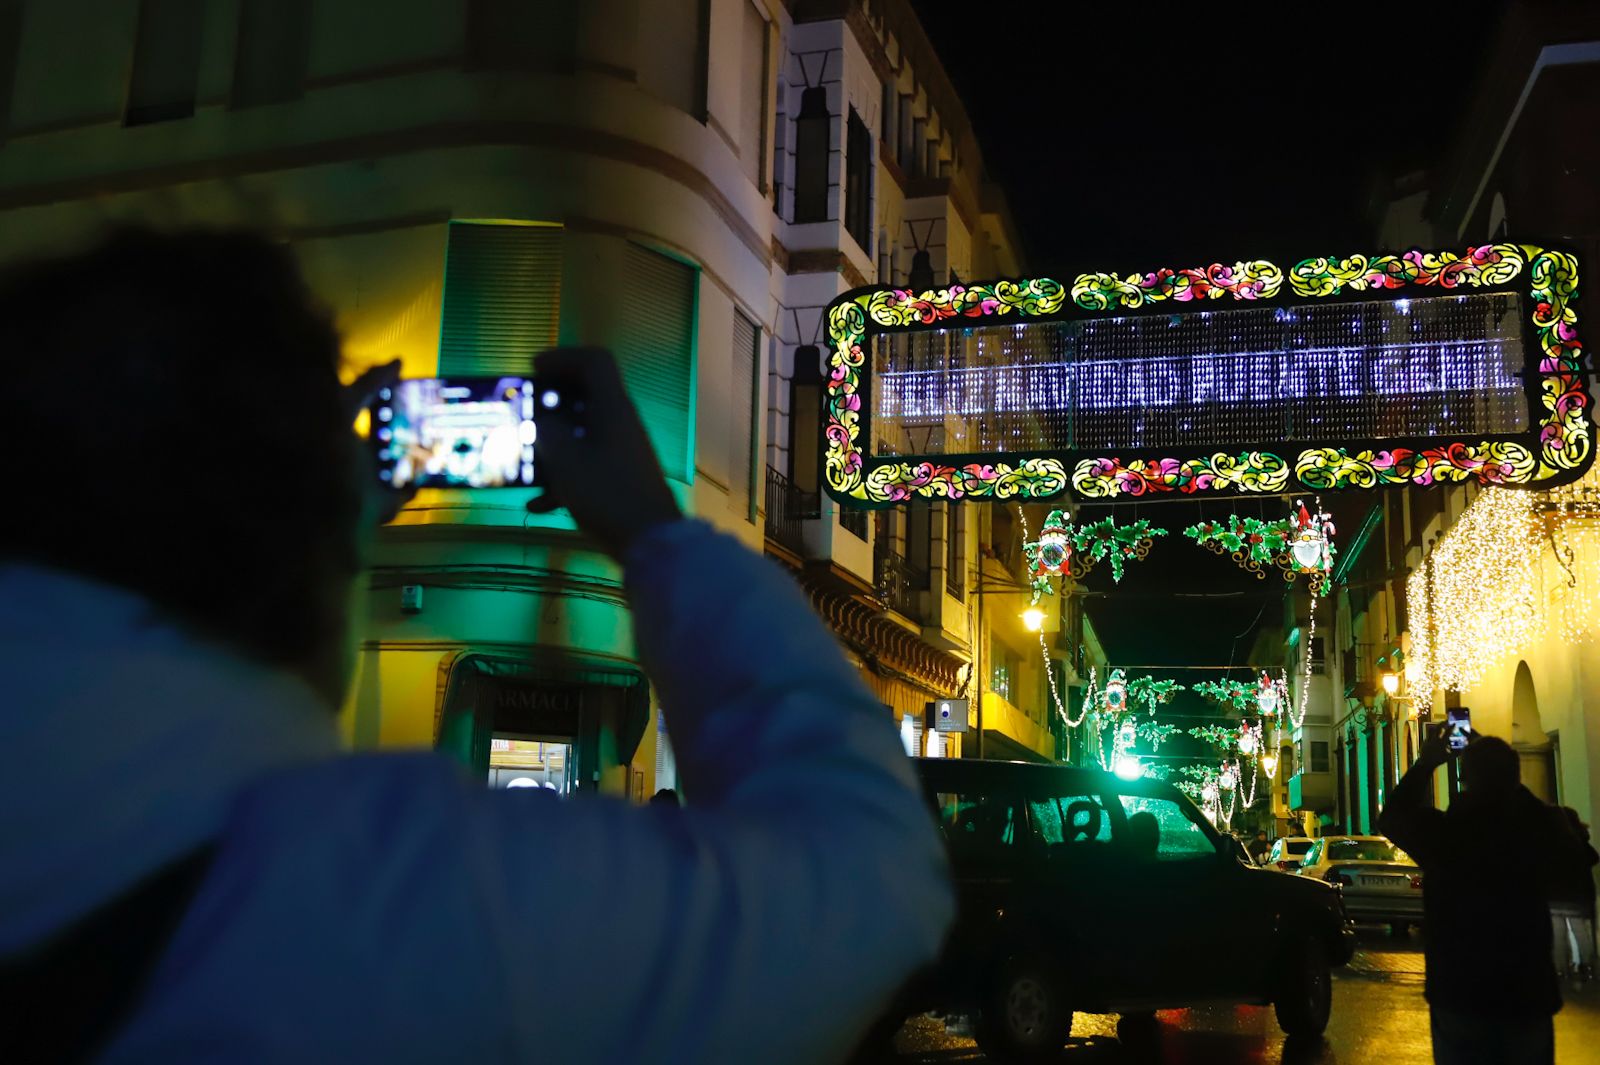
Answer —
(274, 48)
(742, 420)
(166, 61)
(753, 92)
(502, 298)
(654, 346)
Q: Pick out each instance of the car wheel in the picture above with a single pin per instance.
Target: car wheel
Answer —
(1025, 1017)
(1304, 994)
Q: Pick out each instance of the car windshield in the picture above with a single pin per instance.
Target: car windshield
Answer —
(1296, 847)
(1364, 850)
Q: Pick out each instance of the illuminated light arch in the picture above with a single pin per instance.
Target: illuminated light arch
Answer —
(1556, 447)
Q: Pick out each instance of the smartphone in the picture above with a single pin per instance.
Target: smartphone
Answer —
(457, 432)
(1457, 727)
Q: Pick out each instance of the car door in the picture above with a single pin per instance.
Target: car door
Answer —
(982, 827)
(1204, 910)
(1069, 891)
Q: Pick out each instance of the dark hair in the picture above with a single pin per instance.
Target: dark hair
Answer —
(1490, 765)
(179, 398)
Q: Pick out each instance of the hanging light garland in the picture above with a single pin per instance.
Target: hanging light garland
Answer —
(1572, 515)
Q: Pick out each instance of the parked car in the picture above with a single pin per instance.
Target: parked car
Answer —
(1081, 891)
(1286, 853)
(1378, 880)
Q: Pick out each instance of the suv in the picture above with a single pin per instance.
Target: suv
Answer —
(1079, 890)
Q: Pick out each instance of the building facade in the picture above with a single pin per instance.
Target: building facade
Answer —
(1455, 597)
(687, 182)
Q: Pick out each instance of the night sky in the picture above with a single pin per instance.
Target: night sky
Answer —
(1130, 137)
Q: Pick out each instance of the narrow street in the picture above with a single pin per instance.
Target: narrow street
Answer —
(1378, 1015)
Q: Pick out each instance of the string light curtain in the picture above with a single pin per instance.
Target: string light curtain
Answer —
(1573, 578)
(1477, 599)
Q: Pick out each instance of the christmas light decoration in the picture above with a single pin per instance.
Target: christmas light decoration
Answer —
(1476, 601)
(1106, 540)
(1188, 396)
(1299, 544)
(1050, 555)
(1116, 695)
(1229, 694)
(1269, 696)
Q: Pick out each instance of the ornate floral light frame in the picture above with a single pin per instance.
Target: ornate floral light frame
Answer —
(1557, 449)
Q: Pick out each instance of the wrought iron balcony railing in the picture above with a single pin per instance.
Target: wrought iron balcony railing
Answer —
(787, 507)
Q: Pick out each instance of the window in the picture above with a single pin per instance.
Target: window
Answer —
(753, 92)
(166, 61)
(903, 125)
(519, 35)
(502, 297)
(811, 131)
(1319, 756)
(780, 136)
(1067, 821)
(805, 414)
(886, 116)
(1005, 668)
(1179, 837)
(745, 380)
(653, 340)
(274, 48)
(977, 828)
(672, 53)
(858, 182)
(955, 572)
(1364, 850)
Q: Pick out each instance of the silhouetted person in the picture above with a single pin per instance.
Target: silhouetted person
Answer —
(665, 797)
(1258, 848)
(1491, 863)
(1144, 835)
(1572, 910)
(190, 870)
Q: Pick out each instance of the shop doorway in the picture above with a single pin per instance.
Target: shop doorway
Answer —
(551, 723)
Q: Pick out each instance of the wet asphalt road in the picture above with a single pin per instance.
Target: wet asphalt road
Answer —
(1379, 1015)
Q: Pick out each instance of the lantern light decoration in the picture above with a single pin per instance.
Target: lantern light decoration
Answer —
(1050, 555)
(1228, 779)
(1116, 696)
(1209, 792)
(1311, 543)
(1267, 696)
(1249, 739)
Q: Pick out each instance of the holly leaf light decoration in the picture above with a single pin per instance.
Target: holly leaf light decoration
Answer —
(1228, 694)
(1105, 540)
(1151, 693)
(1222, 737)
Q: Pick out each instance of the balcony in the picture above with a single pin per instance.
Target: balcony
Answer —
(1359, 667)
(900, 584)
(787, 508)
(1311, 791)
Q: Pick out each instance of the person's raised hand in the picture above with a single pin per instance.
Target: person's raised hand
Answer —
(594, 454)
(380, 501)
(1435, 750)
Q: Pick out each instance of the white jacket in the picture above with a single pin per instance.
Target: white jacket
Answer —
(385, 908)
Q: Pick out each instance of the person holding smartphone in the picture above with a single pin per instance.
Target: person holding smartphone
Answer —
(189, 867)
(1492, 862)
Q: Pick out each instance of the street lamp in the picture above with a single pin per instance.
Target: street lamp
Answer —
(1033, 619)
(1391, 683)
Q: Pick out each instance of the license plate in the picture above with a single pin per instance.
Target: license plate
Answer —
(1389, 882)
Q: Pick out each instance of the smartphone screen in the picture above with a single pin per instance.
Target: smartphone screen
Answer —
(1457, 726)
(459, 432)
